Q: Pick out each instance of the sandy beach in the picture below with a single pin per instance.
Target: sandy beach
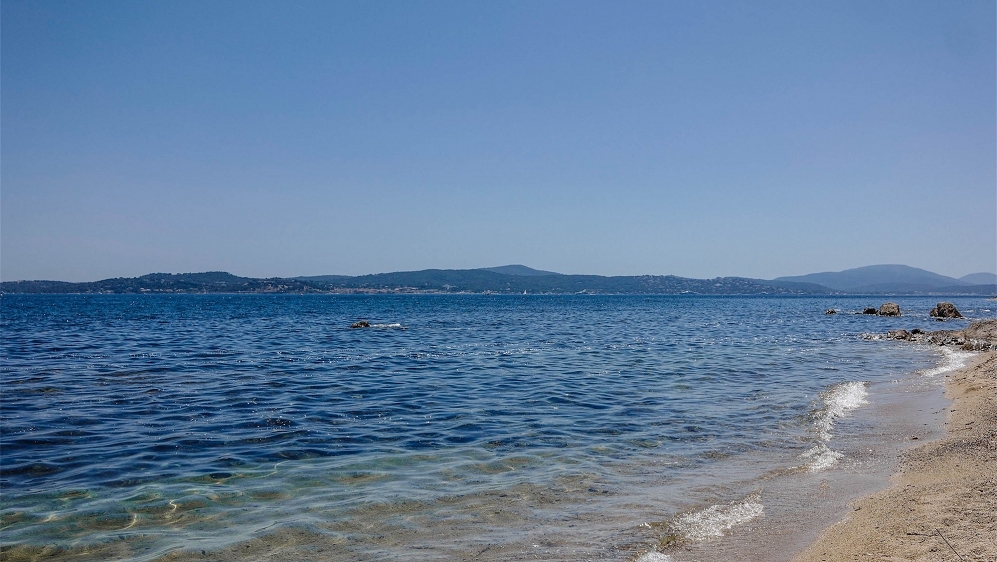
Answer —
(942, 504)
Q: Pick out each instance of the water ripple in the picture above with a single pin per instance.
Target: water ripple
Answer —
(128, 412)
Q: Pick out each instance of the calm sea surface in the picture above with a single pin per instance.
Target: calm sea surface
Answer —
(556, 427)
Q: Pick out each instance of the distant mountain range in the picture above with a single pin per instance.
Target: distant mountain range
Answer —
(874, 279)
(518, 279)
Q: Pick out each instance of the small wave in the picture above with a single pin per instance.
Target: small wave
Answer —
(715, 520)
(951, 360)
(838, 401)
(821, 457)
(392, 326)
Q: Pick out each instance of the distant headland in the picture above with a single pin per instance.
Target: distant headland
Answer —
(519, 279)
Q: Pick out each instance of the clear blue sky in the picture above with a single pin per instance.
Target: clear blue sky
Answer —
(691, 138)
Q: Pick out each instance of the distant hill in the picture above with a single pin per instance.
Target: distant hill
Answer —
(208, 282)
(322, 278)
(519, 279)
(483, 280)
(425, 281)
(518, 270)
(880, 279)
(980, 278)
(989, 289)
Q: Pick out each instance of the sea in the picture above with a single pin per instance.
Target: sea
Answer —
(455, 427)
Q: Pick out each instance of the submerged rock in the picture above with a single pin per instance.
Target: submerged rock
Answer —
(898, 335)
(889, 309)
(830, 311)
(360, 324)
(945, 310)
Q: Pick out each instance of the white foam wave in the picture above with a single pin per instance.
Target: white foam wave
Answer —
(951, 360)
(654, 557)
(714, 521)
(821, 458)
(387, 326)
(838, 401)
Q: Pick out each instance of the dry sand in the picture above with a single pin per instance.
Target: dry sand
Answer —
(942, 504)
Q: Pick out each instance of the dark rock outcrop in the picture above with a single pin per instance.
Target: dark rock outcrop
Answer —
(982, 330)
(869, 311)
(830, 311)
(898, 335)
(945, 310)
(360, 324)
(889, 309)
(981, 335)
(942, 337)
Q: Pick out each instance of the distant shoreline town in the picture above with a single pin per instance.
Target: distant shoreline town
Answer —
(518, 279)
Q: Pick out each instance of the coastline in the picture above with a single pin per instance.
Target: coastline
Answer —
(942, 503)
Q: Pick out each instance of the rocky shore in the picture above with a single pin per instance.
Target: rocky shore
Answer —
(980, 335)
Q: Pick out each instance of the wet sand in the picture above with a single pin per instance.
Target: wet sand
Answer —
(942, 504)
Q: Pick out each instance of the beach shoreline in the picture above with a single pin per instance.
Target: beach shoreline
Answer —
(942, 501)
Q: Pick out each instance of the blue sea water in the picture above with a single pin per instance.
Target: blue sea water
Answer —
(134, 426)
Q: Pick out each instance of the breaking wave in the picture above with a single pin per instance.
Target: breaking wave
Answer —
(838, 401)
(820, 457)
(951, 360)
(715, 520)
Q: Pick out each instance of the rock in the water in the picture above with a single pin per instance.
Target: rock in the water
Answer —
(898, 335)
(945, 310)
(869, 311)
(889, 309)
(360, 324)
(830, 311)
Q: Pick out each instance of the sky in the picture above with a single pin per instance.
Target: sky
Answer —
(699, 139)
